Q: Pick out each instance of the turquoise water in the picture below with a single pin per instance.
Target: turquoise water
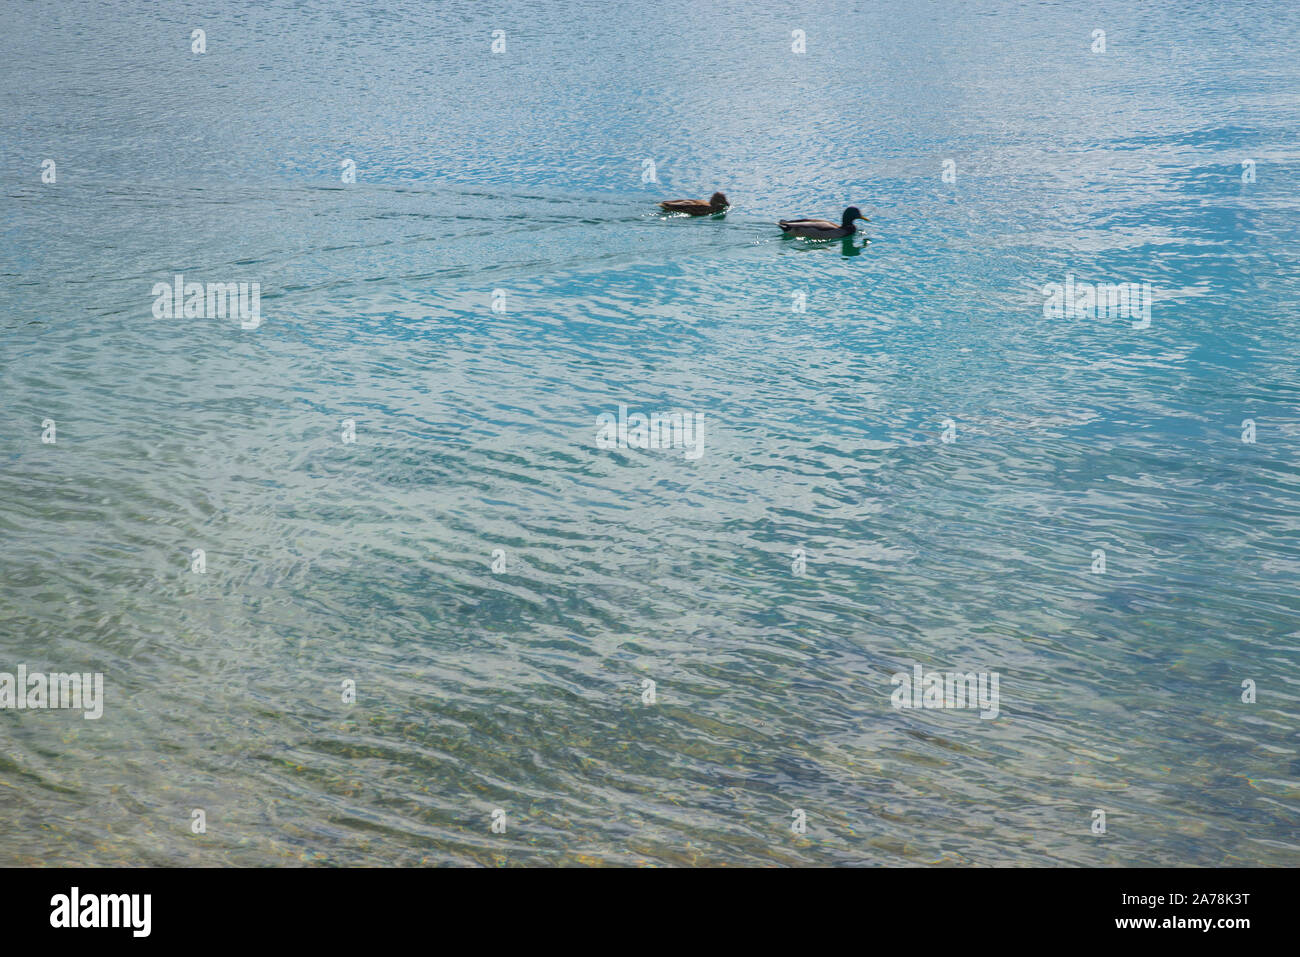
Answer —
(519, 175)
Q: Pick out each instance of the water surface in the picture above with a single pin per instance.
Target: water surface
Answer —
(522, 172)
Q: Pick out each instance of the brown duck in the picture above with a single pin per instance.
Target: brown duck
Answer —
(696, 207)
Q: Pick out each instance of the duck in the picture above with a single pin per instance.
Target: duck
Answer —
(696, 207)
(823, 228)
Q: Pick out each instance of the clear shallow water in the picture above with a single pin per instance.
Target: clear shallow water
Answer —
(476, 431)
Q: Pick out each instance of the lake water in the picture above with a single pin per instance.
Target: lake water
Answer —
(941, 459)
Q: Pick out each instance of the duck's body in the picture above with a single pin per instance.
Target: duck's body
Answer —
(823, 228)
(716, 203)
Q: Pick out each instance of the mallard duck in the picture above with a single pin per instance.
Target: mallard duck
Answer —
(823, 228)
(696, 207)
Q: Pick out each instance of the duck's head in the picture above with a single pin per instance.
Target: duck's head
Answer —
(851, 214)
(718, 200)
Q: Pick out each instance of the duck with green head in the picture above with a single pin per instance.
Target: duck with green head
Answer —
(823, 228)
